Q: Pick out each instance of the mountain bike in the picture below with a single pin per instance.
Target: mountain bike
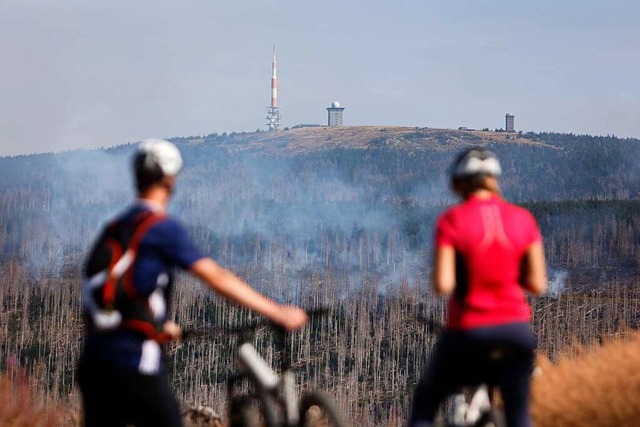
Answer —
(273, 400)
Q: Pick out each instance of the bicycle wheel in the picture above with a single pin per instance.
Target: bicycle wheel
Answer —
(492, 418)
(269, 410)
(318, 410)
(246, 411)
(241, 413)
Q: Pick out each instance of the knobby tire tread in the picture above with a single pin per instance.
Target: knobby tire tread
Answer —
(240, 413)
(246, 411)
(269, 410)
(327, 407)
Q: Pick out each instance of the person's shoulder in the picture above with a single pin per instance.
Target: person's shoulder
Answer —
(168, 223)
(166, 230)
(449, 213)
(124, 216)
(518, 210)
(129, 213)
(513, 206)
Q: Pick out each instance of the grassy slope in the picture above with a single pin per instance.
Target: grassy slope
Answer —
(297, 141)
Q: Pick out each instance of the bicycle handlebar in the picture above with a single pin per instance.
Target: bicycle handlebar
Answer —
(257, 324)
(250, 327)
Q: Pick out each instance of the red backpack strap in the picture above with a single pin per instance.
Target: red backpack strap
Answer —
(109, 288)
(143, 224)
(147, 329)
(141, 231)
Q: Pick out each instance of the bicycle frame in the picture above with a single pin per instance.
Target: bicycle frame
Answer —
(276, 392)
(267, 382)
(465, 414)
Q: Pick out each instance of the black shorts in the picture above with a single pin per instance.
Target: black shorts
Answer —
(113, 397)
(497, 355)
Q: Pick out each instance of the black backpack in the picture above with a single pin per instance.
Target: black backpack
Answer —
(110, 298)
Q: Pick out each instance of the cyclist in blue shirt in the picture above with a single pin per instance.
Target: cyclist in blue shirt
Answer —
(121, 372)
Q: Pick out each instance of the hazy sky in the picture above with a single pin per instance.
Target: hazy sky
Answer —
(85, 74)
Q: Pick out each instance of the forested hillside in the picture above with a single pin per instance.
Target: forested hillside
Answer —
(322, 216)
(300, 188)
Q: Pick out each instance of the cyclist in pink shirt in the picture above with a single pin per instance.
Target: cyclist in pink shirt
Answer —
(488, 253)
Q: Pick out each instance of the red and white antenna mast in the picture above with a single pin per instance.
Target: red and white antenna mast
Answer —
(274, 80)
(273, 111)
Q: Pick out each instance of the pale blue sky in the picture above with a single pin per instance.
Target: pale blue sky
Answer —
(85, 74)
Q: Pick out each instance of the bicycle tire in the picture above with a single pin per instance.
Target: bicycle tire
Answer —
(246, 411)
(269, 411)
(241, 413)
(493, 418)
(319, 410)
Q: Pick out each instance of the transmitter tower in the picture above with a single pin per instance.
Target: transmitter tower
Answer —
(273, 111)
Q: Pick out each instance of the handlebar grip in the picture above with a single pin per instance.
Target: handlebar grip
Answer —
(189, 334)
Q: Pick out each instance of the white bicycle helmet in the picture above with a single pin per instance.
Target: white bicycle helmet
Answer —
(159, 154)
(476, 161)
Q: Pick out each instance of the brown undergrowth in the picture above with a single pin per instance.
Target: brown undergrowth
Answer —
(593, 386)
(21, 407)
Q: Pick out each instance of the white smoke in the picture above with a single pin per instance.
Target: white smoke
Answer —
(557, 282)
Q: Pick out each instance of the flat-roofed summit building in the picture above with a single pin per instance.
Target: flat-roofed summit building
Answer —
(508, 126)
(335, 114)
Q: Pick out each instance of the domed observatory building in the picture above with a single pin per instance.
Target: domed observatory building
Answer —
(335, 114)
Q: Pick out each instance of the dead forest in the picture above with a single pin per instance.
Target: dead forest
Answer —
(342, 229)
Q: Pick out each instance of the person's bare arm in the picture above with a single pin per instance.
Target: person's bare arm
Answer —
(227, 284)
(444, 270)
(535, 269)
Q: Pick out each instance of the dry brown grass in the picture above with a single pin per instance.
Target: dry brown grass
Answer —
(596, 386)
(321, 138)
(21, 408)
